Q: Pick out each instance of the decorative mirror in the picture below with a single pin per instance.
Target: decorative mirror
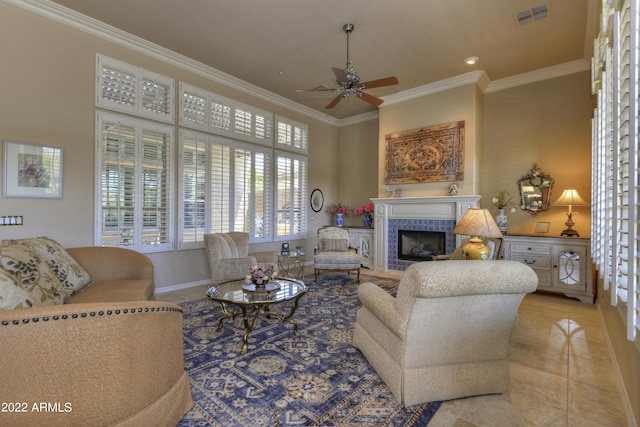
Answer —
(535, 191)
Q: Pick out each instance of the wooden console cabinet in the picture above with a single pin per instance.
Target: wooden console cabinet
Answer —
(563, 264)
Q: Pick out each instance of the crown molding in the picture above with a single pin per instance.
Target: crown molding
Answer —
(472, 77)
(552, 72)
(84, 23)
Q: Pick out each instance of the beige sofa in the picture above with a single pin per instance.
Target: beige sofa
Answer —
(106, 355)
(446, 334)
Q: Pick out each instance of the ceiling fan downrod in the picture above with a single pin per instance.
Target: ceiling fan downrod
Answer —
(351, 74)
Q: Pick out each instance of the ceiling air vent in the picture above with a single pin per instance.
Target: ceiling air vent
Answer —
(534, 14)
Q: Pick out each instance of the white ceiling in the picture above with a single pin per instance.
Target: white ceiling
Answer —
(284, 45)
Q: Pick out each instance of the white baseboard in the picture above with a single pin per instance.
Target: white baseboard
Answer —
(182, 286)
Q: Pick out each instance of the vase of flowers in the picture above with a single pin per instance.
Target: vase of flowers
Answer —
(259, 275)
(503, 201)
(366, 211)
(341, 210)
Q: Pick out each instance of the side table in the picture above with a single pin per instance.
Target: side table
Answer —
(291, 265)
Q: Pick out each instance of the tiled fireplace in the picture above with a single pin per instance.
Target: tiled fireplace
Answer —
(431, 213)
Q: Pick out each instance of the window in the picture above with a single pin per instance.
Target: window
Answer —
(615, 165)
(128, 89)
(291, 172)
(206, 111)
(228, 178)
(226, 186)
(291, 135)
(135, 184)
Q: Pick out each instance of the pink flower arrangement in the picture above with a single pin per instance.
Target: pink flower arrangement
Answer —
(260, 274)
(366, 210)
(339, 208)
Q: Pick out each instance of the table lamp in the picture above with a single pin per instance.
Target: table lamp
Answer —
(477, 222)
(570, 198)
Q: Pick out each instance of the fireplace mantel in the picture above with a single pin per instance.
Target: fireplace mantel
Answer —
(426, 211)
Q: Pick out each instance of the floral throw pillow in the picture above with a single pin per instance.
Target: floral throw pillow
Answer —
(31, 273)
(73, 277)
(12, 295)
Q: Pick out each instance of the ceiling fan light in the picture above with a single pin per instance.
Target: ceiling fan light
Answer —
(471, 60)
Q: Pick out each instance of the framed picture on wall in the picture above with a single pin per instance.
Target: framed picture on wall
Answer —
(317, 200)
(542, 227)
(32, 170)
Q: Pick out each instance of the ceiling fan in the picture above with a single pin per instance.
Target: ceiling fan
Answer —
(349, 81)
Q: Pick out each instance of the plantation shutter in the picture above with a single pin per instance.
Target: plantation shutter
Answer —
(116, 86)
(632, 174)
(220, 192)
(193, 110)
(157, 97)
(117, 198)
(243, 123)
(291, 135)
(220, 118)
(132, 90)
(156, 183)
(242, 190)
(291, 215)
(135, 181)
(262, 183)
(616, 162)
(194, 188)
(264, 127)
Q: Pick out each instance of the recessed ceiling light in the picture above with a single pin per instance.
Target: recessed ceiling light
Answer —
(471, 60)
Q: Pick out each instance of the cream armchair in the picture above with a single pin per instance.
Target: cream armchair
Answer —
(446, 334)
(229, 256)
(334, 253)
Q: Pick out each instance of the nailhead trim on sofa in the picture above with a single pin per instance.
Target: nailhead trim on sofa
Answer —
(92, 314)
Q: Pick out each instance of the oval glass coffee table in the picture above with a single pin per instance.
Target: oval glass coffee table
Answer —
(252, 302)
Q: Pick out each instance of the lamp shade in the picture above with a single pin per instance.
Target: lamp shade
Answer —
(478, 222)
(570, 197)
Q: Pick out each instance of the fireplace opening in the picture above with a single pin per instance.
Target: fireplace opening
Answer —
(418, 245)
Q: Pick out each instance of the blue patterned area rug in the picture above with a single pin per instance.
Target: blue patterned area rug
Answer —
(315, 377)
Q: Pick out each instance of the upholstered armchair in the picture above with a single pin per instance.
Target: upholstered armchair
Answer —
(446, 333)
(229, 256)
(334, 253)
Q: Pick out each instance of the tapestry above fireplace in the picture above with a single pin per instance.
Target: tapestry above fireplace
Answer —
(431, 154)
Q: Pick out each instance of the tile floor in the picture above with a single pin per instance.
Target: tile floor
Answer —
(561, 372)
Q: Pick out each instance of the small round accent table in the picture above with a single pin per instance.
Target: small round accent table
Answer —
(251, 303)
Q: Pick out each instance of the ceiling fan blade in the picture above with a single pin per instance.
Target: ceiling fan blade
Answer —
(341, 76)
(321, 88)
(387, 81)
(334, 102)
(369, 98)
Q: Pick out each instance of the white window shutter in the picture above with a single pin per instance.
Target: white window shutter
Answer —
(132, 90)
(291, 135)
(193, 162)
(135, 184)
(616, 164)
(220, 191)
(291, 172)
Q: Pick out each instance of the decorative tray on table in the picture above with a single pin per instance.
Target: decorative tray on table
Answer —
(269, 287)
